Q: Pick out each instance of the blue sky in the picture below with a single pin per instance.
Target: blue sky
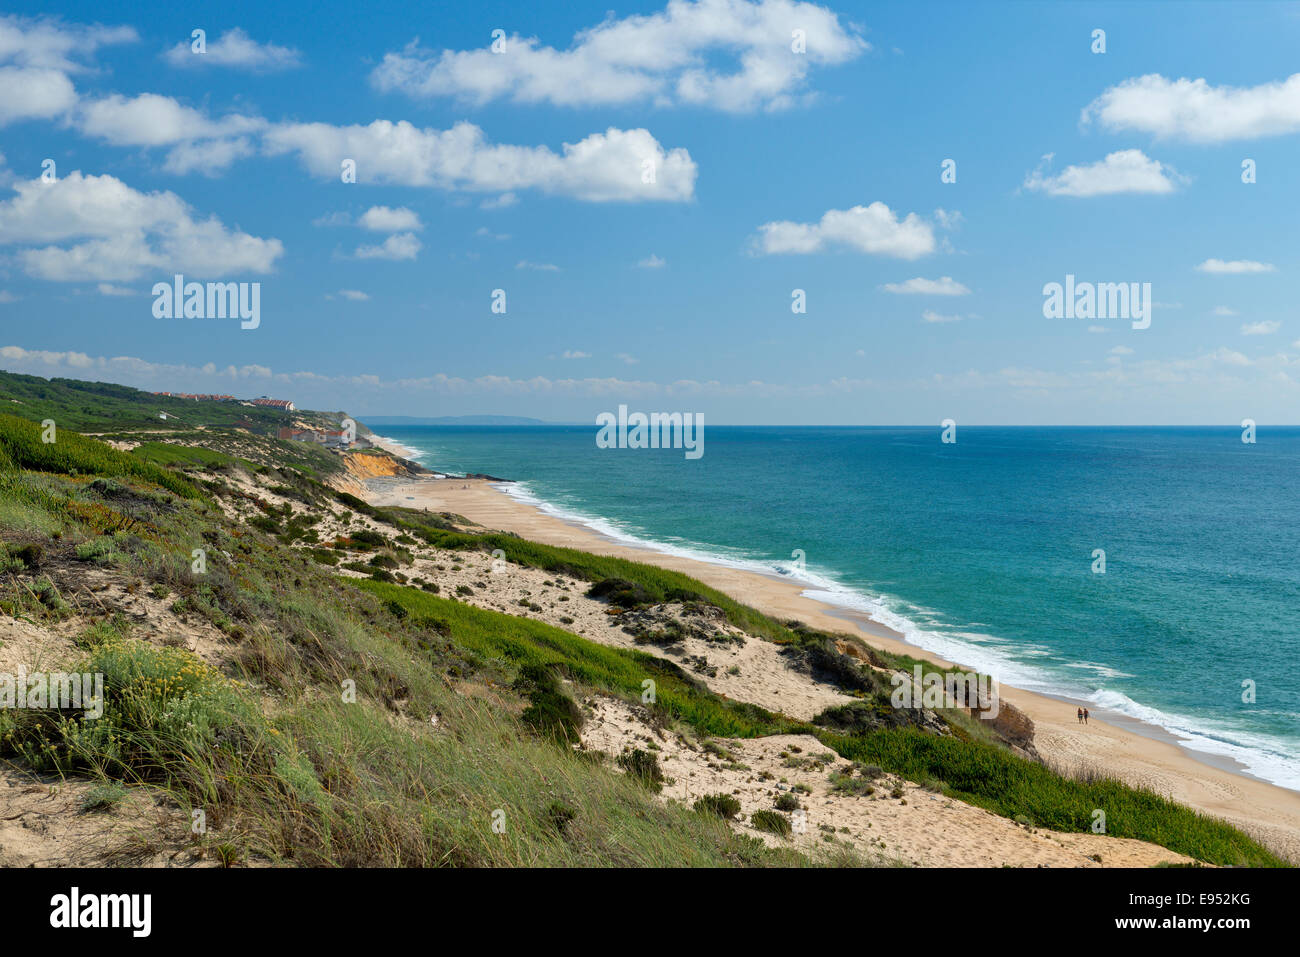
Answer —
(522, 170)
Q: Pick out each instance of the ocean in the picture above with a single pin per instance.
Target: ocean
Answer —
(984, 550)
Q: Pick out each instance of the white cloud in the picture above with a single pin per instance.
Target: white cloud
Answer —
(53, 45)
(665, 58)
(108, 289)
(504, 201)
(943, 286)
(125, 233)
(1195, 111)
(574, 354)
(1234, 267)
(1231, 376)
(1097, 329)
(602, 167)
(652, 262)
(398, 247)
(385, 219)
(1224, 311)
(235, 49)
(539, 267)
(931, 316)
(34, 94)
(1264, 328)
(198, 142)
(1124, 171)
(36, 58)
(488, 234)
(6, 296)
(873, 229)
(627, 359)
(354, 295)
(1121, 351)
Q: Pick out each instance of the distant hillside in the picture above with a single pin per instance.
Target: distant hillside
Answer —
(379, 420)
(105, 406)
(119, 412)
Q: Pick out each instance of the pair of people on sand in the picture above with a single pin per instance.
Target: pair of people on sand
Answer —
(1083, 716)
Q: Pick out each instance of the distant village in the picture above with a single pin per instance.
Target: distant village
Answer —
(330, 438)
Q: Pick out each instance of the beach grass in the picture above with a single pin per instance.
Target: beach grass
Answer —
(287, 769)
(964, 767)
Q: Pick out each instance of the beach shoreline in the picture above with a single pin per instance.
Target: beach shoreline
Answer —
(1115, 744)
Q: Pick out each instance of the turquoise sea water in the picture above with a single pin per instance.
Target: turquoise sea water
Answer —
(982, 551)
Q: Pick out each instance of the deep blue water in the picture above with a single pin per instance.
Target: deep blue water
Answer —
(983, 550)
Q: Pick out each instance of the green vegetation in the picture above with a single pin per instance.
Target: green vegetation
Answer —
(105, 407)
(22, 445)
(519, 643)
(771, 822)
(1008, 785)
(361, 722)
(331, 779)
(186, 457)
(642, 766)
(722, 805)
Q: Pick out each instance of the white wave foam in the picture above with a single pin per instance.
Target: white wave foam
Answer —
(405, 451)
(1260, 755)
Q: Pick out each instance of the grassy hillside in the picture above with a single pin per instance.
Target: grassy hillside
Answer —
(233, 429)
(327, 721)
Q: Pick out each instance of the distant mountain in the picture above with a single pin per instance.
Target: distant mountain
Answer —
(377, 420)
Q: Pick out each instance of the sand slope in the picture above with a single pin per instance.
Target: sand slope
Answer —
(1269, 813)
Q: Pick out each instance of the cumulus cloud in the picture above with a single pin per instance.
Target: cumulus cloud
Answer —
(1197, 112)
(34, 94)
(617, 165)
(122, 233)
(1124, 171)
(36, 58)
(198, 143)
(943, 286)
(385, 219)
(237, 50)
(1234, 267)
(652, 262)
(398, 247)
(875, 230)
(667, 58)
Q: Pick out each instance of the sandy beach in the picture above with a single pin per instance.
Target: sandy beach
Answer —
(1141, 756)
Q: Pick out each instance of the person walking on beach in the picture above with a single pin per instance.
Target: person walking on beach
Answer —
(1085, 715)
(1080, 716)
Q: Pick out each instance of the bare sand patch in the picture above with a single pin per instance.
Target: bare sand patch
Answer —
(1269, 813)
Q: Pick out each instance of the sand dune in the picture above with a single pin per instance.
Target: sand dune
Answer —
(1152, 758)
